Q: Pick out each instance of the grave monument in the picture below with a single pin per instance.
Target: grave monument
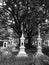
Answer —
(22, 52)
(39, 48)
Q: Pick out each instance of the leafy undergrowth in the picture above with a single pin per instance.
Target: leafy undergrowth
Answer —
(42, 60)
(16, 61)
(30, 60)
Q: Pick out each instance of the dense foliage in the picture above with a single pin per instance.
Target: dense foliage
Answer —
(3, 26)
(30, 13)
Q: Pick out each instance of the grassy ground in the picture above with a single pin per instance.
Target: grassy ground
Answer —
(16, 61)
(42, 60)
(30, 60)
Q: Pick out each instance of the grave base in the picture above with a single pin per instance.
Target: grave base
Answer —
(39, 51)
(22, 52)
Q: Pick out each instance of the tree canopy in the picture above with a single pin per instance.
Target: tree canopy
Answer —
(29, 12)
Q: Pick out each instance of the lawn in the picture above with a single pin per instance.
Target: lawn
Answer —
(30, 60)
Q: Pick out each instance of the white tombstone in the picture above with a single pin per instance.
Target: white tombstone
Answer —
(3, 49)
(1, 3)
(39, 48)
(4, 45)
(33, 43)
(22, 52)
(48, 42)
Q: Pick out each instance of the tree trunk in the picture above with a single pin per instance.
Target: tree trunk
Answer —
(29, 42)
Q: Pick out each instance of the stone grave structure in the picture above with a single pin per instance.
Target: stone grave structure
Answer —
(22, 52)
(39, 47)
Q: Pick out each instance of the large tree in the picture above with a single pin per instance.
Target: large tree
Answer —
(30, 13)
